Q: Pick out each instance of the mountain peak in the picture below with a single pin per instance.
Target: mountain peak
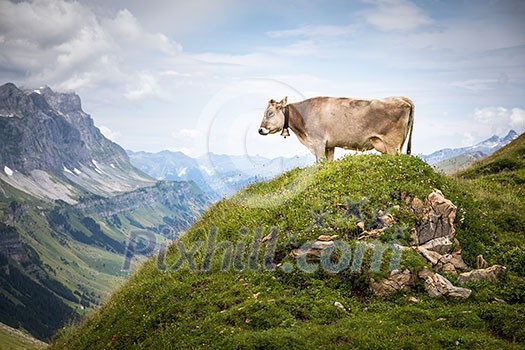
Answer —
(510, 136)
(14, 102)
(66, 102)
(493, 138)
(47, 131)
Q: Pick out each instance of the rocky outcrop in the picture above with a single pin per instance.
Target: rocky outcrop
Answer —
(397, 281)
(438, 286)
(447, 262)
(435, 222)
(492, 274)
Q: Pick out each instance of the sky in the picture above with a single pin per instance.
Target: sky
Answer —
(196, 76)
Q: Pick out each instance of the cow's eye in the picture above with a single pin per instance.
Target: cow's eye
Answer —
(270, 114)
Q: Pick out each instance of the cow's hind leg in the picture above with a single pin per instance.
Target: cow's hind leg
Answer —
(329, 152)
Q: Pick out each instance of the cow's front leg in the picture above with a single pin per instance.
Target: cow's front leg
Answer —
(329, 152)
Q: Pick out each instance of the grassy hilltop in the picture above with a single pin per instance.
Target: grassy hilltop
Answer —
(258, 309)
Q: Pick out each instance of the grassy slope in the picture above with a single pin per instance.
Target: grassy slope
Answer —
(498, 185)
(245, 310)
(90, 271)
(14, 339)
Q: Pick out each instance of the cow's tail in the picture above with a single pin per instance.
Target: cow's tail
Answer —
(410, 125)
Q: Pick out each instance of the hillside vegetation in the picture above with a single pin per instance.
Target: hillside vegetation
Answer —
(249, 303)
(58, 261)
(14, 339)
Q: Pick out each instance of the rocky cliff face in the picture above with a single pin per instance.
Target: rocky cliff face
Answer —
(48, 130)
(49, 147)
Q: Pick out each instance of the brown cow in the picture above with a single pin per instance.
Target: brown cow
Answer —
(323, 123)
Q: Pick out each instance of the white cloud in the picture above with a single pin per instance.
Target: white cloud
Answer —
(187, 134)
(144, 85)
(396, 15)
(108, 133)
(313, 31)
(468, 139)
(127, 30)
(66, 45)
(298, 48)
(475, 85)
(501, 119)
(517, 119)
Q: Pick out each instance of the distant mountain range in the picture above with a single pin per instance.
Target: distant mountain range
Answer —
(222, 175)
(449, 160)
(217, 175)
(70, 201)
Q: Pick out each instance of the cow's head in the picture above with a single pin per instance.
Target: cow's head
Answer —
(273, 119)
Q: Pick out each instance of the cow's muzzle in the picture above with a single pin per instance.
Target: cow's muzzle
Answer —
(263, 131)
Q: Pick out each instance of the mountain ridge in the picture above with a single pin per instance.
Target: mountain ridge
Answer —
(486, 147)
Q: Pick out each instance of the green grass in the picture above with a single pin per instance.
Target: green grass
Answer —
(14, 339)
(158, 309)
(86, 272)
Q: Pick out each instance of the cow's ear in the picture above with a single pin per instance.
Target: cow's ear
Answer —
(284, 101)
(272, 102)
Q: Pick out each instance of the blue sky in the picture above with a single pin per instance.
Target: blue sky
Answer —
(195, 76)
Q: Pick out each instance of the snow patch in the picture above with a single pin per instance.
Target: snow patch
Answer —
(78, 172)
(38, 92)
(95, 163)
(182, 172)
(97, 168)
(67, 170)
(207, 170)
(8, 171)
(112, 165)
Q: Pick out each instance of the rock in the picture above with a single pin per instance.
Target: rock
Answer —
(457, 260)
(267, 237)
(448, 262)
(387, 219)
(491, 273)
(481, 262)
(435, 220)
(449, 267)
(440, 245)
(361, 226)
(413, 237)
(417, 207)
(300, 252)
(438, 286)
(340, 306)
(381, 220)
(413, 299)
(323, 242)
(372, 233)
(406, 197)
(320, 245)
(431, 256)
(326, 238)
(398, 280)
